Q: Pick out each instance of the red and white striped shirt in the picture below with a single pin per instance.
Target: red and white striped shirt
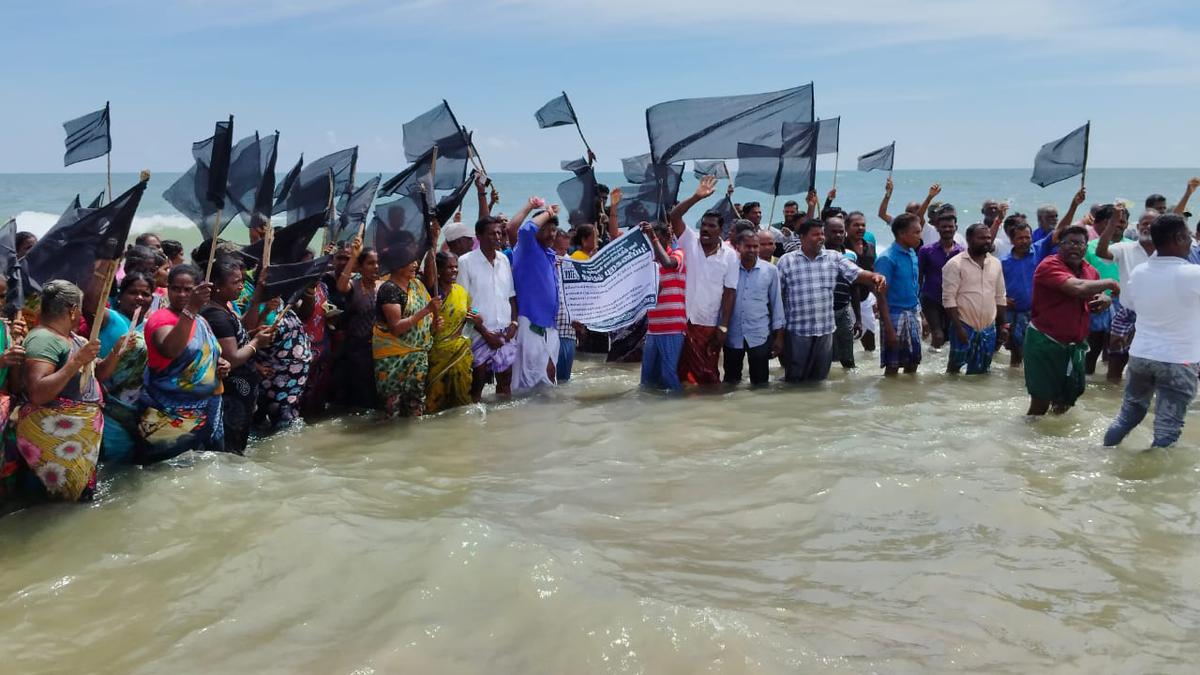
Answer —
(669, 316)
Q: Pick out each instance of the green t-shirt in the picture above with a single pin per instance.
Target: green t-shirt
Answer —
(43, 344)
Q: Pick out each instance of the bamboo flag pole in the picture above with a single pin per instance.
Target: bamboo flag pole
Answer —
(212, 249)
(836, 156)
(433, 241)
(1087, 134)
(268, 239)
(578, 128)
(108, 156)
(105, 287)
(328, 210)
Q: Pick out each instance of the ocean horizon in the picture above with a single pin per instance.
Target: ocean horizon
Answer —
(37, 200)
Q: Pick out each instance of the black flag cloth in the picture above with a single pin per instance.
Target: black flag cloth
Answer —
(357, 208)
(1062, 159)
(724, 208)
(285, 187)
(641, 170)
(8, 246)
(87, 137)
(290, 243)
(447, 205)
(410, 180)
(578, 197)
(789, 170)
(71, 248)
(575, 166)
(189, 195)
(13, 270)
(556, 113)
(289, 280)
(310, 193)
(245, 173)
(439, 127)
(71, 208)
(711, 128)
(215, 153)
(883, 158)
(758, 168)
(716, 168)
(639, 203)
(97, 202)
(827, 136)
(264, 192)
(400, 231)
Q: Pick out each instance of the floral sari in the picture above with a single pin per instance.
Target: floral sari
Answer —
(182, 400)
(287, 359)
(450, 358)
(402, 362)
(60, 440)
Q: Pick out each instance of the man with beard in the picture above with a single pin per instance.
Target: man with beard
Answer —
(1065, 290)
(865, 253)
(974, 297)
(754, 327)
(847, 311)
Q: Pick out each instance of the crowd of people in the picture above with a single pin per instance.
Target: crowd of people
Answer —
(183, 362)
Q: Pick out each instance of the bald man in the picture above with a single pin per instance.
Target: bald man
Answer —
(766, 245)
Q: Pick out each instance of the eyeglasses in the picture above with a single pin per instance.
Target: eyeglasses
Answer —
(1071, 243)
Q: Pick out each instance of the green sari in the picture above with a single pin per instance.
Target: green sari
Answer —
(402, 362)
(450, 357)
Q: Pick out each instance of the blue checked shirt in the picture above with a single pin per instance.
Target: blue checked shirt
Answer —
(808, 285)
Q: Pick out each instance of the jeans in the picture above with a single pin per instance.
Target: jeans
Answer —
(1175, 387)
(566, 359)
(660, 361)
(760, 363)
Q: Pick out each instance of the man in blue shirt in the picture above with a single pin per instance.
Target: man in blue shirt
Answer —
(754, 325)
(1019, 266)
(535, 279)
(899, 305)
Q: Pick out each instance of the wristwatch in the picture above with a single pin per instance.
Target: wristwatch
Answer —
(723, 329)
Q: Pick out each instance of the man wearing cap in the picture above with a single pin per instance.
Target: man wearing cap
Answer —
(1128, 255)
(931, 258)
(458, 238)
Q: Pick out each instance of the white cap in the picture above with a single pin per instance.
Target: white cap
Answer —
(456, 231)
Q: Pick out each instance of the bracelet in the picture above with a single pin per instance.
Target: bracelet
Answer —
(513, 324)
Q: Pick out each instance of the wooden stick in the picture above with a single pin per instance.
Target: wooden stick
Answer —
(98, 317)
(212, 249)
(108, 156)
(268, 239)
(433, 242)
(328, 214)
(836, 156)
(1086, 138)
(772, 216)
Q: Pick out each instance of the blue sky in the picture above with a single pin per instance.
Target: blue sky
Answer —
(958, 84)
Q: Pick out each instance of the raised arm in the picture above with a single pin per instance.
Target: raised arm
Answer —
(883, 203)
(614, 227)
(485, 209)
(830, 197)
(430, 270)
(343, 280)
(1106, 235)
(707, 186)
(1069, 216)
(934, 190)
(1081, 288)
(1187, 194)
(811, 200)
(171, 341)
(660, 254)
(999, 221)
(518, 218)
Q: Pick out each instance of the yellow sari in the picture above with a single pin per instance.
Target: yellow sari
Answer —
(450, 359)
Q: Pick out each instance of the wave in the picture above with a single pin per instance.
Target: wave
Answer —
(39, 223)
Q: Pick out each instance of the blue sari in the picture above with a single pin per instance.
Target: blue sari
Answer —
(122, 390)
(182, 400)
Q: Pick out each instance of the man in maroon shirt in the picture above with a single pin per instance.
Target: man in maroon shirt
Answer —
(1065, 290)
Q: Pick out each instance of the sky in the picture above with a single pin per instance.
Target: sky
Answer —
(956, 83)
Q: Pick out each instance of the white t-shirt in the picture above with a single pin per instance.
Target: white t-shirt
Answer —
(1165, 293)
(490, 285)
(1127, 255)
(707, 278)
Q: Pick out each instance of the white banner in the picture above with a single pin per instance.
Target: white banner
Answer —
(615, 287)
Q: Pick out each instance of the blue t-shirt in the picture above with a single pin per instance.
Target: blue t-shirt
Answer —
(899, 266)
(1040, 234)
(869, 236)
(115, 327)
(1043, 249)
(1018, 280)
(535, 278)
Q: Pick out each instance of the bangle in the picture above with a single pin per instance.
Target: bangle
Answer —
(513, 324)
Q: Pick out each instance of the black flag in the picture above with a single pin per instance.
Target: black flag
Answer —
(556, 113)
(189, 195)
(310, 194)
(264, 194)
(447, 205)
(8, 246)
(71, 208)
(97, 202)
(827, 136)
(216, 158)
(87, 137)
(1061, 159)
(711, 128)
(285, 187)
(71, 248)
(883, 158)
(290, 243)
(400, 231)
(13, 270)
(715, 168)
(578, 197)
(575, 166)
(289, 280)
(439, 127)
(355, 213)
(410, 180)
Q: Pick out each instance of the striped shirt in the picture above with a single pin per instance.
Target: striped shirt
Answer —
(669, 316)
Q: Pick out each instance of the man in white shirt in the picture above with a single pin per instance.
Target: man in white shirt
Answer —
(712, 279)
(1164, 359)
(1128, 255)
(486, 275)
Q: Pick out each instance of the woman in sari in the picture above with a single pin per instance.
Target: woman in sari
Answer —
(284, 364)
(123, 388)
(353, 364)
(320, 337)
(181, 395)
(238, 349)
(402, 337)
(450, 356)
(61, 423)
(12, 356)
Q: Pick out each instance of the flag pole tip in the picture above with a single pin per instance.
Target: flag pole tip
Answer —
(144, 175)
